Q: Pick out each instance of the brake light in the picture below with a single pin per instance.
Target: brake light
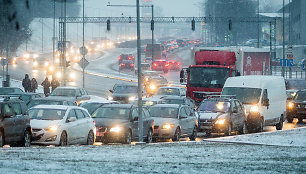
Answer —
(131, 64)
(144, 50)
(119, 58)
(122, 64)
(155, 64)
(178, 64)
(167, 64)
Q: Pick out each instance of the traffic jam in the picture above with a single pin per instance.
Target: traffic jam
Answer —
(219, 95)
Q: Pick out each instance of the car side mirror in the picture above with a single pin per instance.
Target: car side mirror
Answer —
(265, 102)
(71, 119)
(112, 91)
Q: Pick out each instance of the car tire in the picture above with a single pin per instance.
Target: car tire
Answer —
(26, 139)
(1, 139)
(289, 119)
(300, 120)
(279, 126)
(228, 131)
(261, 125)
(177, 135)
(90, 138)
(207, 133)
(63, 139)
(149, 138)
(243, 130)
(128, 138)
(193, 136)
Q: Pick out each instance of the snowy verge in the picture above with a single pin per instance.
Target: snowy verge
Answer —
(292, 137)
(18, 84)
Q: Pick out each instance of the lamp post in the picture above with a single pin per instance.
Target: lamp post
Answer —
(283, 61)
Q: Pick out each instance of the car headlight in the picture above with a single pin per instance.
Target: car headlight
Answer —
(254, 109)
(290, 105)
(58, 75)
(168, 126)
(35, 63)
(110, 98)
(220, 121)
(132, 98)
(52, 128)
(72, 76)
(115, 129)
(46, 64)
(51, 68)
(152, 87)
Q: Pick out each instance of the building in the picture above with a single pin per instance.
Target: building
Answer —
(297, 22)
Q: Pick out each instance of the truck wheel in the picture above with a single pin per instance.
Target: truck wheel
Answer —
(128, 138)
(279, 126)
(261, 125)
(149, 138)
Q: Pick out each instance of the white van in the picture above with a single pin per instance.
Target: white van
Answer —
(264, 99)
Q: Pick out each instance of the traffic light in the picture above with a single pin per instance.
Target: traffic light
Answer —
(193, 25)
(152, 25)
(230, 25)
(108, 25)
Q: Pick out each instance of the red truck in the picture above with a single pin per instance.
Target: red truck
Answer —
(212, 66)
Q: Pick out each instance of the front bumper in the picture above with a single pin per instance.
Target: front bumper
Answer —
(210, 126)
(160, 133)
(43, 137)
(103, 134)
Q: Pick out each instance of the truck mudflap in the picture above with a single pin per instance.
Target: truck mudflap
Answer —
(254, 122)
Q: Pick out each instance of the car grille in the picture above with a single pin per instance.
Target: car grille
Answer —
(206, 122)
(36, 130)
(38, 137)
(156, 127)
(102, 129)
(301, 106)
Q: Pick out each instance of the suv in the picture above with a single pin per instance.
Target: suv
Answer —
(221, 115)
(297, 107)
(15, 128)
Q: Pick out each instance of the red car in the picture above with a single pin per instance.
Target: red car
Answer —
(161, 65)
(127, 64)
(175, 65)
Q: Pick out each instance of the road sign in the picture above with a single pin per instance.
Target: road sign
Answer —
(83, 63)
(83, 50)
(4, 62)
(286, 62)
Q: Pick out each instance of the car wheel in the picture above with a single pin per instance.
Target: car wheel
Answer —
(228, 131)
(149, 138)
(128, 138)
(177, 135)
(300, 120)
(207, 134)
(91, 138)
(63, 140)
(289, 119)
(261, 125)
(279, 126)
(243, 129)
(27, 139)
(193, 136)
(1, 139)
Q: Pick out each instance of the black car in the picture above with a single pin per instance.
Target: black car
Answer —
(221, 115)
(179, 100)
(123, 93)
(297, 107)
(27, 97)
(10, 90)
(15, 128)
(50, 101)
(118, 123)
(93, 105)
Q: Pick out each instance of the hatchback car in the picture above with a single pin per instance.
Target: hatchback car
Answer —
(61, 125)
(173, 121)
(118, 123)
(50, 101)
(297, 107)
(15, 128)
(179, 100)
(123, 93)
(70, 93)
(221, 115)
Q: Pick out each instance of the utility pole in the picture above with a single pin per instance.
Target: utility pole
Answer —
(283, 61)
(152, 28)
(83, 45)
(53, 39)
(258, 26)
(42, 35)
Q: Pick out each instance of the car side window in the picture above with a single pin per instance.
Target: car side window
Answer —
(239, 107)
(134, 113)
(234, 107)
(7, 109)
(183, 112)
(70, 103)
(78, 92)
(17, 108)
(86, 114)
(146, 113)
(71, 114)
(79, 114)
(83, 92)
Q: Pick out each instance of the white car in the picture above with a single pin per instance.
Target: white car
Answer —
(61, 125)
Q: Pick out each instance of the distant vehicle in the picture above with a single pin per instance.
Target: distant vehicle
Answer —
(70, 93)
(118, 123)
(297, 107)
(157, 51)
(29, 56)
(154, 83)
(173, 121)
(10, 90)
(170, 91)
(61, 125)
(147, 74)
(51, 101)
(221, 115)
(182, 100)
(161, 65)
(174, 64)
(264, 98)
(123, 93)
(40, 63)
(126, 57)
(15, 128)
(144, 67)
(93, 105)
(295, 84)
(127, 64)
(149, 101)
(12, 61)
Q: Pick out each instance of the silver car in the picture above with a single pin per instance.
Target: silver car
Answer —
(173, 121)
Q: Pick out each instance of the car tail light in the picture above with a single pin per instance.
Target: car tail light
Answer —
(122, 64)
(144, 50)
(166, 65)
(119, 58)
(131, 64)
(155, 64)
(178, 64)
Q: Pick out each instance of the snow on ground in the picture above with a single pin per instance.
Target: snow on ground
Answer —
(292, 137)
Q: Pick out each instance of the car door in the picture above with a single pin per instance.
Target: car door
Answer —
(20, 120)
(134, 123)
(82, 126)
(148, 121)
(191, 119)
(8, 123)
(234, 117)
(72, 127)
(183, 120)
(241, 117)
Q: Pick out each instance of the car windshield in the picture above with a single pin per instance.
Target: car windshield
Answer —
(208, 77)
(168, 91)
(245, 95)
(174, 101)
(164, 112)
(112, 112)
(214, 106)
(43, 102)
(125, 89)
(296, 84)
(46, 114)
(63, 92)
(4, 91)
(301, 96)
(91, 107)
